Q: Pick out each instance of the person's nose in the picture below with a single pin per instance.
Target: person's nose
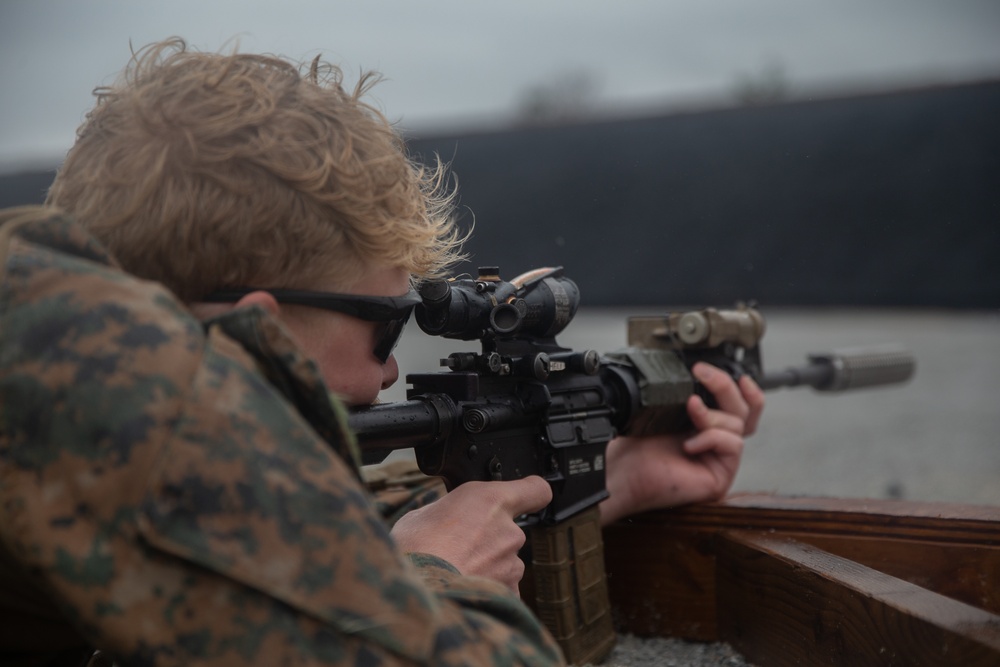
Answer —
(390, 372)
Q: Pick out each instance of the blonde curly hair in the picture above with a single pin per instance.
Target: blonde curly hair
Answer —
(206, 170)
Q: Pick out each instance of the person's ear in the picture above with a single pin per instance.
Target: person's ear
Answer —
(260, 298)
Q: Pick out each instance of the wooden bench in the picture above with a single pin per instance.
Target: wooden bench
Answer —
(804, 581)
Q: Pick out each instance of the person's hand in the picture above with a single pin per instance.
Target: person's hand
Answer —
(676, 469)
(473, 528)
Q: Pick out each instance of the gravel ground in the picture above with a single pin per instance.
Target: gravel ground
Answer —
(633, 651)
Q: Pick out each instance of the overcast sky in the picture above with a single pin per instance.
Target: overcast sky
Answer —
(452, 63)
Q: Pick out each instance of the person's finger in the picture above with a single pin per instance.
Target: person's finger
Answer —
(704, 418)
(754, 397)
(722, 442)
(727, 394)
(521, 496)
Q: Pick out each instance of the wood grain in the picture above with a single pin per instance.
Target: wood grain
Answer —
(666, 579)
(823, 609)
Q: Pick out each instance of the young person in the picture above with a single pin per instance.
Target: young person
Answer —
(207, 172)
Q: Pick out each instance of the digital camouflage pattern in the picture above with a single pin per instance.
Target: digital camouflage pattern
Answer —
(161, 499)
(399, 487)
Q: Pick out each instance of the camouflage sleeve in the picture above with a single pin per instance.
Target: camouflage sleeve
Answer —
(178, 511)
(399, 487)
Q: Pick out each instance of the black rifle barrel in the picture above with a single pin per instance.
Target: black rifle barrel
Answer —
(414, 422)
(847, 368)
(385, 427)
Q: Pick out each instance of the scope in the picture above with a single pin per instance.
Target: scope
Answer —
(538, 304)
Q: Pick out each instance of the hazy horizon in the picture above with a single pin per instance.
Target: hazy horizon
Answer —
(453, 65)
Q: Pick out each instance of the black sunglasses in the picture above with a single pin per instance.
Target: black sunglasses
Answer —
(391, 312)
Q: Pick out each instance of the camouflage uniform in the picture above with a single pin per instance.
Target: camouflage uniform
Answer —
(161, 499)
(399, 487)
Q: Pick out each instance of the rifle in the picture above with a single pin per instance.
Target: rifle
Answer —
(527, 406)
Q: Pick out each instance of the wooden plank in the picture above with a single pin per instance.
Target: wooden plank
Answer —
(938, 522)
(784, 602)
(968, 573)
(661, 565)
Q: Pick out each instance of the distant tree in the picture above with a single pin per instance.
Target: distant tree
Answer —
(568, 96)
(766, 86)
